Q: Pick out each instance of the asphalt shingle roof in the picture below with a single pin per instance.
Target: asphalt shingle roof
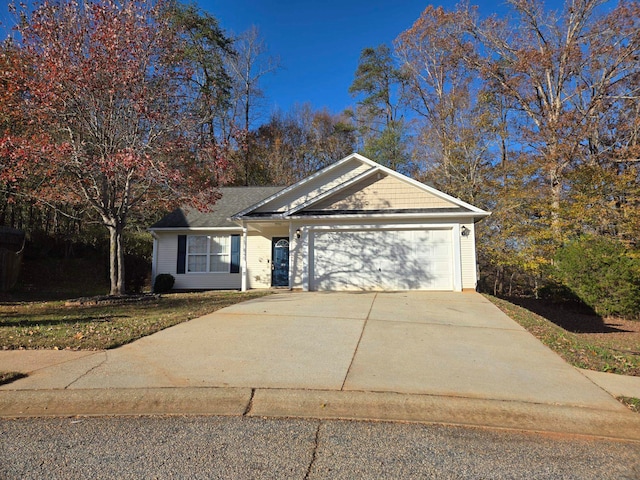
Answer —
(234, 200)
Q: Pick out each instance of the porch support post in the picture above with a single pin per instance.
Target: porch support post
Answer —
(293, 247)
(243, 262)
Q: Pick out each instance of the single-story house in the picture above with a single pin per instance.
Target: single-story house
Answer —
(354, 225)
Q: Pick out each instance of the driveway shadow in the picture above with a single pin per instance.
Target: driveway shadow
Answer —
(574, 317)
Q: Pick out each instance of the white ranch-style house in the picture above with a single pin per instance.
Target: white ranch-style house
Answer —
(355, 225)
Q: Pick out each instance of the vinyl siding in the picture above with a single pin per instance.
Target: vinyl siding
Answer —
(468, 258)
(167, 260)
(167, 253)
(298, 258)
(379, 194)
(258, 261)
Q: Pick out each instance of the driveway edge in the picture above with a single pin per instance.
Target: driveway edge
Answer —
(325, 404)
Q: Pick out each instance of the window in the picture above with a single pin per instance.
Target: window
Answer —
(208, 253)
(219, 254)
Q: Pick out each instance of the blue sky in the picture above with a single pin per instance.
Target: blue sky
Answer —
(318, 42)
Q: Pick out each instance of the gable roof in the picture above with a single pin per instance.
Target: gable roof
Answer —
(320, 194)
(233, 200)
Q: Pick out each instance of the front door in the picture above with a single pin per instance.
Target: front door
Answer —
(280, 262)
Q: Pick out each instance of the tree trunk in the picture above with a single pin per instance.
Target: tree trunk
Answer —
(116, 260)
(120, 288)
(511, 283)
(556, 198)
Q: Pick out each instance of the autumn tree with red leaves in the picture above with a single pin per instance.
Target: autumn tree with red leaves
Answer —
(107, 91)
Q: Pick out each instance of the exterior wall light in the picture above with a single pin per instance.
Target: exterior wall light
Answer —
(298, 233)
(464, 231)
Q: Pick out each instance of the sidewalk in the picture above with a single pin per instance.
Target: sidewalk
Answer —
(419, 357)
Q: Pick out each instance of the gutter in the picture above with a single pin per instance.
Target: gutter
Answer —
(477, 216)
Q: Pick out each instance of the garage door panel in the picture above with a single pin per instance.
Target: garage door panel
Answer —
(433, 254)
(344, 260)
(382, 260)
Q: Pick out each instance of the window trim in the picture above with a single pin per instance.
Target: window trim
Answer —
(209, 255)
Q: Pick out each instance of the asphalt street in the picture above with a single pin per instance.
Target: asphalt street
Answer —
(253, 448)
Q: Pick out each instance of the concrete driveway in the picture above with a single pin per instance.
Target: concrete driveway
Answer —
(448, 344)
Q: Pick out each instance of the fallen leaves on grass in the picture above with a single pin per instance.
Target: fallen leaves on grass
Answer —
(95, 327)
(631, 402)
(610, 351)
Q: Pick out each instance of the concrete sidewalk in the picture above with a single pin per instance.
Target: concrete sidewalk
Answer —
(411, 356)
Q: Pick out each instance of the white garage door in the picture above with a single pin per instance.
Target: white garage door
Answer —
(382, 260)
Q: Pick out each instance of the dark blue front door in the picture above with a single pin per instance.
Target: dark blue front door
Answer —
(280, 262)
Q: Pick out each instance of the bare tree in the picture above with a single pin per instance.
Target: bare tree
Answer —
(564, 72)
(247, 67)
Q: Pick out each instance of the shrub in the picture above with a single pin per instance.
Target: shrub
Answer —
(164, 283)
(602, 273)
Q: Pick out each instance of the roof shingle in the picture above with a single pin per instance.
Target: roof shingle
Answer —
(233, 200)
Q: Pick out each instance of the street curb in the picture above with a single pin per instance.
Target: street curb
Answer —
(387, 406)
(324, 404)
(124, 401)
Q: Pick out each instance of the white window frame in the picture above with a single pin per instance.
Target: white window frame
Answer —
(209, 254)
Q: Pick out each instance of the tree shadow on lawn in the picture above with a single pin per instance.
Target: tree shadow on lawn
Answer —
(41, 320)
(573, 316)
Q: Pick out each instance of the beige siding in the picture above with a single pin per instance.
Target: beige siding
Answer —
(379, 194)
(468, 258)
(259, 255)
(258, 261)
(168, 258)
(315, 187)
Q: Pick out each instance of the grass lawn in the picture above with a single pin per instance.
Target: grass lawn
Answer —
(582, 338)
(51, 324)
(632, 403)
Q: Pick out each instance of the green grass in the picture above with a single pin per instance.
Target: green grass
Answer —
(631, 402)
(579, 350)
(52, 325)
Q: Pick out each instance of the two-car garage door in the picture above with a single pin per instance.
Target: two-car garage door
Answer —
(382, 259)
